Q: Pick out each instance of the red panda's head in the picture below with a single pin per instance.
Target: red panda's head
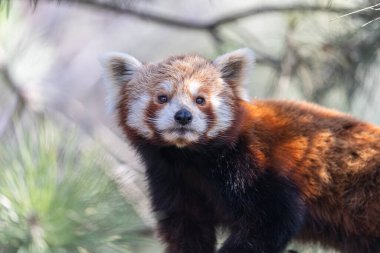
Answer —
(180, 101)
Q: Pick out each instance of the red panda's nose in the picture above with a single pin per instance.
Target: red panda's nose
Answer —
(183, 117)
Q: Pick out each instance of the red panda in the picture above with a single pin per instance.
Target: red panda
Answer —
(268, 171)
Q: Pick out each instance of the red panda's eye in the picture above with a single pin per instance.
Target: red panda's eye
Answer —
(162, 99)
(200, 101)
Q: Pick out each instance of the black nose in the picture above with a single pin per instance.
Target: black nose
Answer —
(183, 117)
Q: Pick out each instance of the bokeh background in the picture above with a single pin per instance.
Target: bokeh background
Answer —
(69, 182)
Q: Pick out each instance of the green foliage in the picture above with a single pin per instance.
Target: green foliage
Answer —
(5, 6)
(56, 198)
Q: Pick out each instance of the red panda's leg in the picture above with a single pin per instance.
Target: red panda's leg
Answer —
(184, 234)
(267, 215)
(185, 217)
(186, 221)
(185, 224)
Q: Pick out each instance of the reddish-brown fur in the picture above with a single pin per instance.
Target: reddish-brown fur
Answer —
(179, 69)
(333, 160)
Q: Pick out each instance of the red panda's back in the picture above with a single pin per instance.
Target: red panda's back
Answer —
(332, 157)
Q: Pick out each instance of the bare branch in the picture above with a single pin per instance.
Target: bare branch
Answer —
(271, 9)
(14, 111)
(150, 16)
(11, 84)
(206, 25)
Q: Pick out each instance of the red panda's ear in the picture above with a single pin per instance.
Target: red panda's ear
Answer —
(119, 69)
(235, 68)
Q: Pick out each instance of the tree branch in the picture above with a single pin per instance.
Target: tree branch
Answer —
(9, 82)
(271, 9)
(21, 101)
(206, 25)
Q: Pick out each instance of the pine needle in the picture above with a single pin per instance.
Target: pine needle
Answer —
(354, 12)
(371, 21)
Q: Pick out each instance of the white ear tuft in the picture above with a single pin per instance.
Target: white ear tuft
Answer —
(235, 68)
(119, 69)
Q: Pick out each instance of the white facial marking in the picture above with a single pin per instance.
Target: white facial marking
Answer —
(223, 116)
(181, 140)
(167, 87)
(165, 117)
(194, 87)
(136, 117)
(166, 123)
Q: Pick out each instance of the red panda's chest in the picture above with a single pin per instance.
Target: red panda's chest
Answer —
(216, 178)
(210, 190)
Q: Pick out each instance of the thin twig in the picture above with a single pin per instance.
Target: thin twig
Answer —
(289, 63)
(357, 11)
(371, 21)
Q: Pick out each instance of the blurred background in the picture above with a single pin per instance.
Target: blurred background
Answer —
(69, 182)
